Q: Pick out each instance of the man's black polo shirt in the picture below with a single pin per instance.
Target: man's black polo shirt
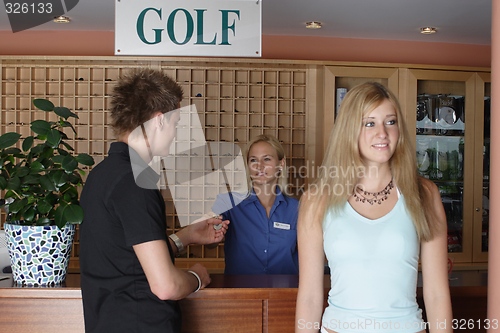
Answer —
(118, 215)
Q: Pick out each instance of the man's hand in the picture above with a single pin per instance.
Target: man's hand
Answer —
(202, 273)
(205, 232)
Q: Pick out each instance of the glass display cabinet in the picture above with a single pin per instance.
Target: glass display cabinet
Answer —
(444, 108)
(482, 167)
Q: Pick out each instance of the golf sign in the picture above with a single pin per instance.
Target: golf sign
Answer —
(188, 28)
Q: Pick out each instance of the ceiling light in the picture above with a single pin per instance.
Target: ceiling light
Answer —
(62, 19)
(314, 25)
(428, 30)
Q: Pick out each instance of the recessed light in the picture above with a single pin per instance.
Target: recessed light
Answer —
(428, 30)
(314, 25)
(62, 19)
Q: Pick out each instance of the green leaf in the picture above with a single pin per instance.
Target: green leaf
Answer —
(44, 207)
(3, 183)
(64, 136)
(31, 179)
(40, 127)
(58, 159)
(69, 163)
(51, 199)
(47, 152)
(29, 214)
(62, 152)
(22, 171)
(58, 217)
(37, 150)
(28, 143)
(9, 139)
(70, 214)
(36, 189)
(53, 138)
(46, 183)
(85, 159)
(66, 124)
(64, 112)
(70, 194)
(43, 221)
(72, 128)
(75, 178)
(67, 146)
(43, 104)
(47, 163)
(14, 184)
(36, 167)
(17, 205)
(58, 178)
(13, 151)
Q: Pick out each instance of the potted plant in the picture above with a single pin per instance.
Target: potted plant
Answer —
(40, 176)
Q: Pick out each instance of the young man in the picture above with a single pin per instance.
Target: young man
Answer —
(128, 278)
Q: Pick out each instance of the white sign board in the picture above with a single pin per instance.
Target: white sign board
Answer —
(223, 28)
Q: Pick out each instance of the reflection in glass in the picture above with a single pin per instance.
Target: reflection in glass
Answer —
(440, 155)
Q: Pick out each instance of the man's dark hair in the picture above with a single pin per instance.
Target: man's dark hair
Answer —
(138, 95)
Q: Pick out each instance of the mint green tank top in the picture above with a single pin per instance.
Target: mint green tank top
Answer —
(374, 271)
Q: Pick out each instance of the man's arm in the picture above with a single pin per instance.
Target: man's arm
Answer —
(166, 281)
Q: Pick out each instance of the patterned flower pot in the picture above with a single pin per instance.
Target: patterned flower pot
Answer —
(39, 255)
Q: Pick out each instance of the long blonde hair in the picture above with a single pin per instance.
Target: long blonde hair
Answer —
(342, 166)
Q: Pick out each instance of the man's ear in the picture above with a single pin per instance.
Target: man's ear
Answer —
(158, 119)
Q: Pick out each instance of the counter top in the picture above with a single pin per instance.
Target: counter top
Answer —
(254, 304)
(72, 282)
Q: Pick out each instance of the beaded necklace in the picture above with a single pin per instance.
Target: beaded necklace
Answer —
(376, 197)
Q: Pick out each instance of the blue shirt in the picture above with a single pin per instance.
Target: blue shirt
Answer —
(257, 244)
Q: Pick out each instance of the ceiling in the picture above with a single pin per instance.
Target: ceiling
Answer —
(457, 21)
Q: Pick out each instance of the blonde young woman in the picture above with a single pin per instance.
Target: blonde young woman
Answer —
(373, 217)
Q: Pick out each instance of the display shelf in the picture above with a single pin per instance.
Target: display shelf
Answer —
(234, 101)
(235, 105)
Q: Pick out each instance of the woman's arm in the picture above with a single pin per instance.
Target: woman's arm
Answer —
(311, 268)
(434, 258)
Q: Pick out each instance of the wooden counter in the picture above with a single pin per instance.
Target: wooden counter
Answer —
(244, 304)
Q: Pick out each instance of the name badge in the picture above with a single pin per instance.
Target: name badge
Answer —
(281, 225)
